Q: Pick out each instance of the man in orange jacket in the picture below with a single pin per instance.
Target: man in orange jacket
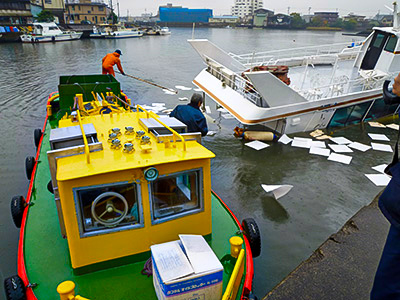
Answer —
(110, 60)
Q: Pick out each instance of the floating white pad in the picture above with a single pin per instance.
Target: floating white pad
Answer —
(318, 144)
(340, 148)
(168, 92)
(277, 190)
(344, 159)
(393, 126)
(301, 144)
(379, 137)
(359, 146)
(320, 151)
(379, 179)
(340, 140)
(183, 99)
(381, 147)
(183, 88)
(227, 116)
(376, 124)
(380, 168)
(257, 145)
(208, 110)
(285, 139)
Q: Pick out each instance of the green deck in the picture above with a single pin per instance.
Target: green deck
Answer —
(47, 257)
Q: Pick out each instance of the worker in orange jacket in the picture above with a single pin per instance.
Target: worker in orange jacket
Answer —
(110, 60)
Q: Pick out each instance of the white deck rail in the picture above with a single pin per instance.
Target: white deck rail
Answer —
(294, 56)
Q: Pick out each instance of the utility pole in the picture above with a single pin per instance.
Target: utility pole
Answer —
(112, 12)
(288, 10)
(118, 8)
(309, 11)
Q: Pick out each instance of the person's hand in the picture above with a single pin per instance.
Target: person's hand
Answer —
(123, 73)
(396, 86)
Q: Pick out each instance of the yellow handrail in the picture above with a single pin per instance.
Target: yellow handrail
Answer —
(157, 118)
(87, 152)
(231, 284)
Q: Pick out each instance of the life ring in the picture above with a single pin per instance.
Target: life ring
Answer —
(29, 165)
(18, 205)
(252, 233)
(37, 134)
(14, 288)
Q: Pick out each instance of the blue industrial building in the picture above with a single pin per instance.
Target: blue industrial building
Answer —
(184, 15)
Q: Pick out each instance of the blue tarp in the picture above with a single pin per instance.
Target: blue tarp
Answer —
(184, 15)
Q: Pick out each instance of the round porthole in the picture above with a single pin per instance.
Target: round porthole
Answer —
(151, 174)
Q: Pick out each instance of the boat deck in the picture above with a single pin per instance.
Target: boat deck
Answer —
(45, 249)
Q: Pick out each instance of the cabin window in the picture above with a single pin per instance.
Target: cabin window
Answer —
(108, 208)
(349, 115)
(177, 195)
(391, 44)
(379, 40)
(380, 109)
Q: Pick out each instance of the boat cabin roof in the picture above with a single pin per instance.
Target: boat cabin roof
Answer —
(112, 159)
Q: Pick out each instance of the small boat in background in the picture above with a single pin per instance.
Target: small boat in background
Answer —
(120, 32)
(49, 32)
(165, 31)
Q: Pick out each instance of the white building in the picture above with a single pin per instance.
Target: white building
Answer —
(244, 8)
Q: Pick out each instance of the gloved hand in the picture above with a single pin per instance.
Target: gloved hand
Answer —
(123, 73)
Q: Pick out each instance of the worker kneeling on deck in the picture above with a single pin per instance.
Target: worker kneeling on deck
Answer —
(110, 60)
(191, 115)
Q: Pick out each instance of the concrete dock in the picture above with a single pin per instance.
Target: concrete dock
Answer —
(344, 266)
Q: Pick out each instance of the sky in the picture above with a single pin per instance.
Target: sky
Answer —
(220, 7)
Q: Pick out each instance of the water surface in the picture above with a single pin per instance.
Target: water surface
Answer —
(325, 194)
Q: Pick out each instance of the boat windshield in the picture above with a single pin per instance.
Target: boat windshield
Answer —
(102, 208)
(53, 28)
(176, 195)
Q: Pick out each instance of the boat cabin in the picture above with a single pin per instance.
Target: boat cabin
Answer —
(123, 178)
(46, 29)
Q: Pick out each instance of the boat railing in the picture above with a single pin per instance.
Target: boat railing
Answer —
(342, 85)
(345, 50)
(234, 80)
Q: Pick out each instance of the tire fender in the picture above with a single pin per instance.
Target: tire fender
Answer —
(252, 233)
(29, 165)
(37, 134)
(14, 288)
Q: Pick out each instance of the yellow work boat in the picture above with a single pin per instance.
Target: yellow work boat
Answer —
(109, 180)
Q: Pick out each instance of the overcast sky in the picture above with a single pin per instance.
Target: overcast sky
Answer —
(362, 7)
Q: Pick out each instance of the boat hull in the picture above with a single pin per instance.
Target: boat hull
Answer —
(27, 38)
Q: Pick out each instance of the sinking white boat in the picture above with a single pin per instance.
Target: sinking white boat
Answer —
(49, 32)
(329, 86)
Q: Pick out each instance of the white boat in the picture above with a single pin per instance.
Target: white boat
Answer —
(122, 33)
(49, 32)
(329, 86)
(98, 32)
(165, 31)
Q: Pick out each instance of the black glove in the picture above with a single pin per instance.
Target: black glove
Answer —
(123, 73)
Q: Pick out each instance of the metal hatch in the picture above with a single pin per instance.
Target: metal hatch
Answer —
(66, 137)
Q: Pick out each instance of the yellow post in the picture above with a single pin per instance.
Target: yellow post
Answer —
(66, 290)
(80, 100)
(236, 245)
(49, 110)
(87, 150)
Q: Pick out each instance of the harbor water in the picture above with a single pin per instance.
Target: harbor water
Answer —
(325, 194)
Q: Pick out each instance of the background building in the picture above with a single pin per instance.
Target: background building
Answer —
(327, 17)
(223, 21)
(85, 11)
(15, 12)
(260, 17)
(56, 7)
(179, 14)
(245, 8)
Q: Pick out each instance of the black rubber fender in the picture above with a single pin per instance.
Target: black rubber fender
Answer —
(14, 288)
(29, 165)
(37, 134)
(18, 205)
(252, 233)
(50, 187)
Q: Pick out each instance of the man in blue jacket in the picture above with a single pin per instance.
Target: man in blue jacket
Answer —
(191, 115)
